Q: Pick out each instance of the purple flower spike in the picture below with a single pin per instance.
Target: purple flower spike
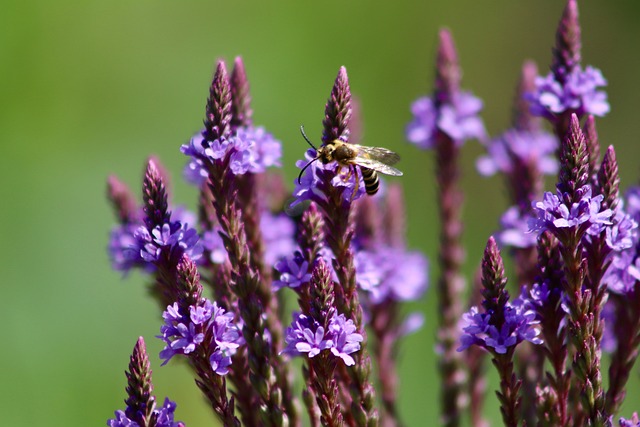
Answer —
(449, 111)
(122, 200)
(566, 54)
(141, 407)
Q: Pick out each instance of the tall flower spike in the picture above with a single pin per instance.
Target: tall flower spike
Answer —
(574, 163)
(336, 204)
(124, 204)
(609, 180)
(448, 74)
(338, 110)
(154, 196)
(449, 113)
(200, 330)
(593, 144)
(566, 53)
(223, 160)
(522, 119)
(501, 327)
(141, 409)
(567, 89)
(141, 402)
(218, 112)
(547, 298)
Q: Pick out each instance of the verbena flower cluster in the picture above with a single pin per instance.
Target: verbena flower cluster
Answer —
(223, 275)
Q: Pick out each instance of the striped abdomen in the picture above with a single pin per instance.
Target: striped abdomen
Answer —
(371, 181)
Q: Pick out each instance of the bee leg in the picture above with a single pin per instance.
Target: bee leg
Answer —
(357, 181)
(345, 177)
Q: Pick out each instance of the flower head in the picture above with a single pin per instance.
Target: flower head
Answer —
(514, 229)
(251, 149)
(458, 119)
(312, 185)
(516, 147)
(519, 325)
(183, 334)
(172, 239)
(294, 272)
(305, 335)
(391, 273)
(579, 93)
(553, 214)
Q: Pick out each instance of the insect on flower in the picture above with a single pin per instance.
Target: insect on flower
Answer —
(370, 159)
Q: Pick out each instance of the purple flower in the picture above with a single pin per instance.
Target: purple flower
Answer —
(164, 417)
(305, 335)
(515, 230)
(458, 119)
(294, 272)
(609, 341)
(312, 183)
(391, 273)
(183, 334)
(251, 149)
(517, 147)
(632, 198)
(214, 245)
(623, 233)
(519, 325)
(345, 340)
(579, 94)
(634, 421)
(554, 215)
(278, 232)
(124, 248)
(174, 239)
(624, 271)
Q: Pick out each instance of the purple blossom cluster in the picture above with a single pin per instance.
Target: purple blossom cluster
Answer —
(458, 119)
(311, 186)
(578, 93)
(553, 213)
(307, 336)
(133, 245)
(518, 323)
(575, 251)
(184, 334)
(391, 273)
(163, 417)
(515, 148)
(252, 150)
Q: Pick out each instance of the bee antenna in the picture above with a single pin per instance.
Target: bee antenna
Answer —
(304, 135)
(305, 168)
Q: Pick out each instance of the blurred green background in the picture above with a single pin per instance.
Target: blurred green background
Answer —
(90, 88)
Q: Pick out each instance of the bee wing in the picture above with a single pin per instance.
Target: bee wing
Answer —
(377, 166)
(380, 154)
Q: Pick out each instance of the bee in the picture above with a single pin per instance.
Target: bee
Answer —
(370, 159)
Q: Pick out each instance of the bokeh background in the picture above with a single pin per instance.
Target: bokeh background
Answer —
(89, 88)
